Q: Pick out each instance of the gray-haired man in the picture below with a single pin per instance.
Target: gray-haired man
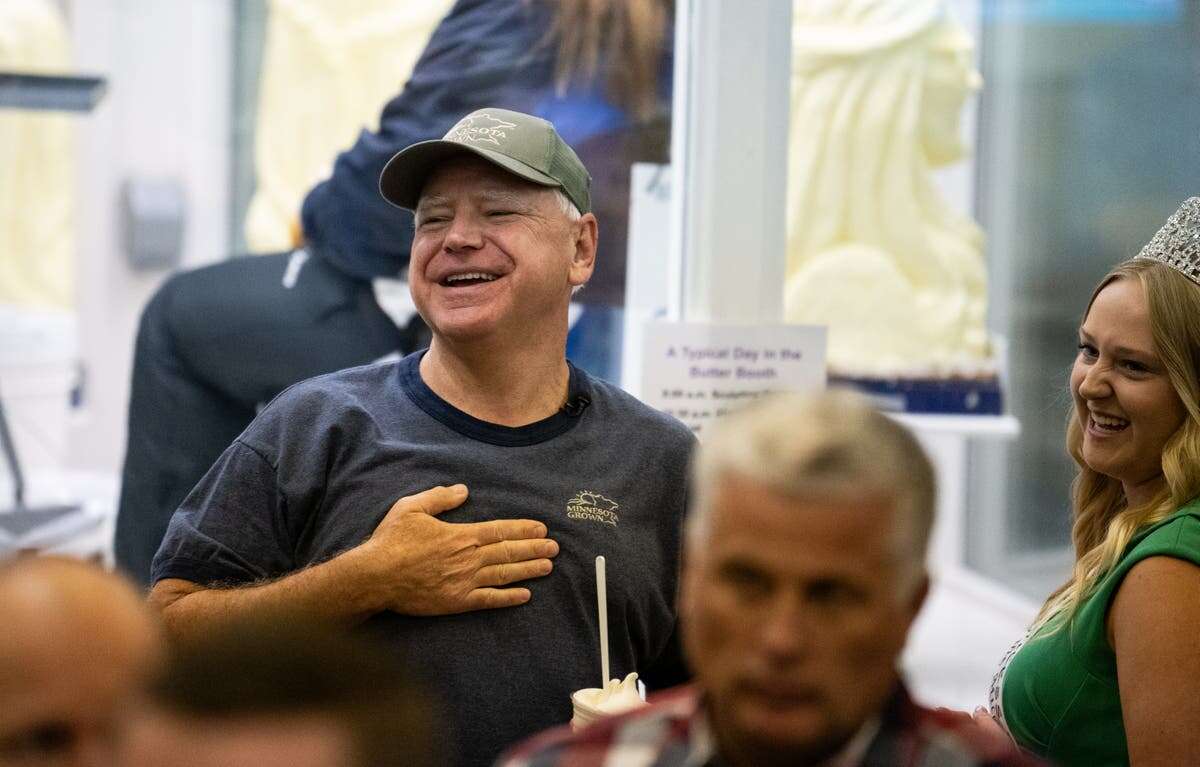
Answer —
(300, 513)
(804, 571)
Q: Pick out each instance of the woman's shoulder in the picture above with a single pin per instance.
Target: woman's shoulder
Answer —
(1175, 537)
(1177, 534)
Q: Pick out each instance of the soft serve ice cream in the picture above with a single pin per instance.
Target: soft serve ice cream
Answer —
(593, 703)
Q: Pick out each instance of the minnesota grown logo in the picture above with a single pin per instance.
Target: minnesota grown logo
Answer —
(588, 504)
(480, 128)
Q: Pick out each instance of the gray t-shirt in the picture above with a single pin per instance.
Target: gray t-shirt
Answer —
(318, 469)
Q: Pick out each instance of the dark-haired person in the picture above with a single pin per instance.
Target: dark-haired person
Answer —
(260, 694)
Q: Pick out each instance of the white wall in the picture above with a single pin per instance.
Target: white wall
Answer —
(166, 114)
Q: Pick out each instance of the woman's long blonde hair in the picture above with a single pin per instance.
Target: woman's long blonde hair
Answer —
(1104, 524)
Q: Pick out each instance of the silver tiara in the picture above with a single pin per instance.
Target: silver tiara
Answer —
(1177, 244)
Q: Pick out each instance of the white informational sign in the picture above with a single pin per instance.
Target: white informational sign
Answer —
(698, 372)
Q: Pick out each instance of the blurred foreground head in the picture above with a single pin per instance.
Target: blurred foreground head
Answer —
(77, 646)
(258, 694)
(805, 569)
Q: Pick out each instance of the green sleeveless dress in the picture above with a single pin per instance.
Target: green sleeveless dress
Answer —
(1059, 695)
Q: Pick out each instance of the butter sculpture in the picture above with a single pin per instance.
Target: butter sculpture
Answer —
(37, 167)
(328, 68)
(874, 252)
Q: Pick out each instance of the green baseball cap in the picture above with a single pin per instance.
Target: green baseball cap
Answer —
(521, 144)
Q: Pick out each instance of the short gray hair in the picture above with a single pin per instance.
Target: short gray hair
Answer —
(827, 445)
(569, 209)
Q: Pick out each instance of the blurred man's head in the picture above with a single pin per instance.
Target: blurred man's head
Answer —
(805, 569)
(263, 695)
(77, 646)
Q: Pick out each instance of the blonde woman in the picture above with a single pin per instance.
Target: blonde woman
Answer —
(1110, 672)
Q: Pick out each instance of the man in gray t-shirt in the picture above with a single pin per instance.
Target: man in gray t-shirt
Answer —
(510, 465)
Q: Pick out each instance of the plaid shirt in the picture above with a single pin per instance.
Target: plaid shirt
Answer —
(673, 732)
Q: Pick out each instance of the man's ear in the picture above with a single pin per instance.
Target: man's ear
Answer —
(583, 258)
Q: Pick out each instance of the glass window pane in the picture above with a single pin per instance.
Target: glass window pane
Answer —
(1088, 140)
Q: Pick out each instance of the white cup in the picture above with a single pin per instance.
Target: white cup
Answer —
(584, 713)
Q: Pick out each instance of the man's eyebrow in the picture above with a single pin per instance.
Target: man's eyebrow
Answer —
(501, 195)
(430, 201)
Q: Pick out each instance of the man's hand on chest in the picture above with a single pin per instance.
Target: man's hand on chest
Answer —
(421, 565)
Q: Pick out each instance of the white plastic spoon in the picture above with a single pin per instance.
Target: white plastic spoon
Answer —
(602, 601)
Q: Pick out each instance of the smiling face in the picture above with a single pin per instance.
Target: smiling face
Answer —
(493, 253)
(1124, 401)
(793, 619)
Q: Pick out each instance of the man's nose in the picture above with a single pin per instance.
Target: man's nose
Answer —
(783, 629)
(465, 233)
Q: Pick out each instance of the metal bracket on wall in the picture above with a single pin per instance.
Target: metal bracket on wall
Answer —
(60, 93)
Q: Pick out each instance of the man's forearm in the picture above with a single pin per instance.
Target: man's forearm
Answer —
(339, 590)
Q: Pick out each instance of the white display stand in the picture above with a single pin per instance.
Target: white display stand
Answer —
(87, 533)
(983, 426)
(969, 621)
(967, 625)
(947, 439)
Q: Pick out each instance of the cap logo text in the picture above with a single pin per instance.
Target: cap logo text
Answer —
(480, 129)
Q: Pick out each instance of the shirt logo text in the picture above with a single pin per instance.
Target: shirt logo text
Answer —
(590, 505)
